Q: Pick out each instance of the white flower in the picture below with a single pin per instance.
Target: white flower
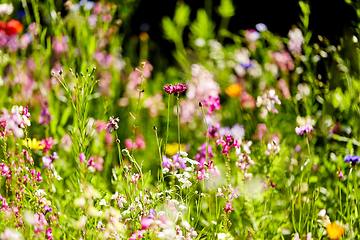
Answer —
(102, 202)
(221, 236)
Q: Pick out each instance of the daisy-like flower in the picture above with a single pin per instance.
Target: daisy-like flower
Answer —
(334, 231)
(33, 144)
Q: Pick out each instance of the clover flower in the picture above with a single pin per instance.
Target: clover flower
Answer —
(177, 88)
(304, 129)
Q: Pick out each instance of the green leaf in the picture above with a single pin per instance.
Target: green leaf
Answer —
(226, 9)
(170, 31)
(182, 15)
(202, 26)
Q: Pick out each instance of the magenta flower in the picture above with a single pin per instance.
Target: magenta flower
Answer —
(96, 162)
(82, 158)
(213, 103)
(304, 129)
(48, 143)
(177, 88)
(146, 223)
(228, 207)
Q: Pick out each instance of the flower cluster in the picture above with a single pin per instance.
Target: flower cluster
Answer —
(112, 124)
(212, 104)
(15, 121)
(304, 129)
(176, 88)
(244, 162)
(268, 101)
(227, 142)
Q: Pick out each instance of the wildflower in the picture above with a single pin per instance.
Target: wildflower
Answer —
(228, 207)
(352, 159)
(33, 144)
(112, 125)
(252, 35)
(47, 208)
(173, 148)
(135, 177)
(95, 162)
(82, 158)
(177, 88)
(268, 101)
(296, 39)
(234, 90)
(261, 27)
(48, 160)
(6, 9)
(334, 231)
(11, 27)
(213, 103)
(47, 143)
(304, 129)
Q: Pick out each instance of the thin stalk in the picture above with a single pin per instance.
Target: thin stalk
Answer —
(207, 132)
(138, 105)
(161, 167)
(178, 120)
(168, 124)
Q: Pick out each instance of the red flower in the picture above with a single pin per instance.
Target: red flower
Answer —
(11, 27)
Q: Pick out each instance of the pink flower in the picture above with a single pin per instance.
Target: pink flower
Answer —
(177, 88)
(213, 103)
(228, 207)
(48, 143)
(96, 162)
(49, 234)
(146, 223)
(82, 158)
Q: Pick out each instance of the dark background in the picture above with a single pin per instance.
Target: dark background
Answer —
(328, 18)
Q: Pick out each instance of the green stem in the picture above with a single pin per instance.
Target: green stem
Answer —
(168, 123)
(178, 120)
(207, 133)
(161, 167)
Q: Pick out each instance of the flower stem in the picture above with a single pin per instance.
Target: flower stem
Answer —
(168, 123)
(178, 120)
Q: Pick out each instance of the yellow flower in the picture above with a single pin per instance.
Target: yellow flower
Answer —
(234, 90)
(33, 144)
(334, 231)
(172, 148)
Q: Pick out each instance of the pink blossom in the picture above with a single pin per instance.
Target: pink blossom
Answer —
(228, 207)
(96, 162)
(82, 158)
(48, 143)
(212, 103)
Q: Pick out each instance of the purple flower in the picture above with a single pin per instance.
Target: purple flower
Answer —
(304, 129)
(47, 208)
(352, 159)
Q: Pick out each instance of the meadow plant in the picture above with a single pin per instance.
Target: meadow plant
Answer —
(256, 141)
